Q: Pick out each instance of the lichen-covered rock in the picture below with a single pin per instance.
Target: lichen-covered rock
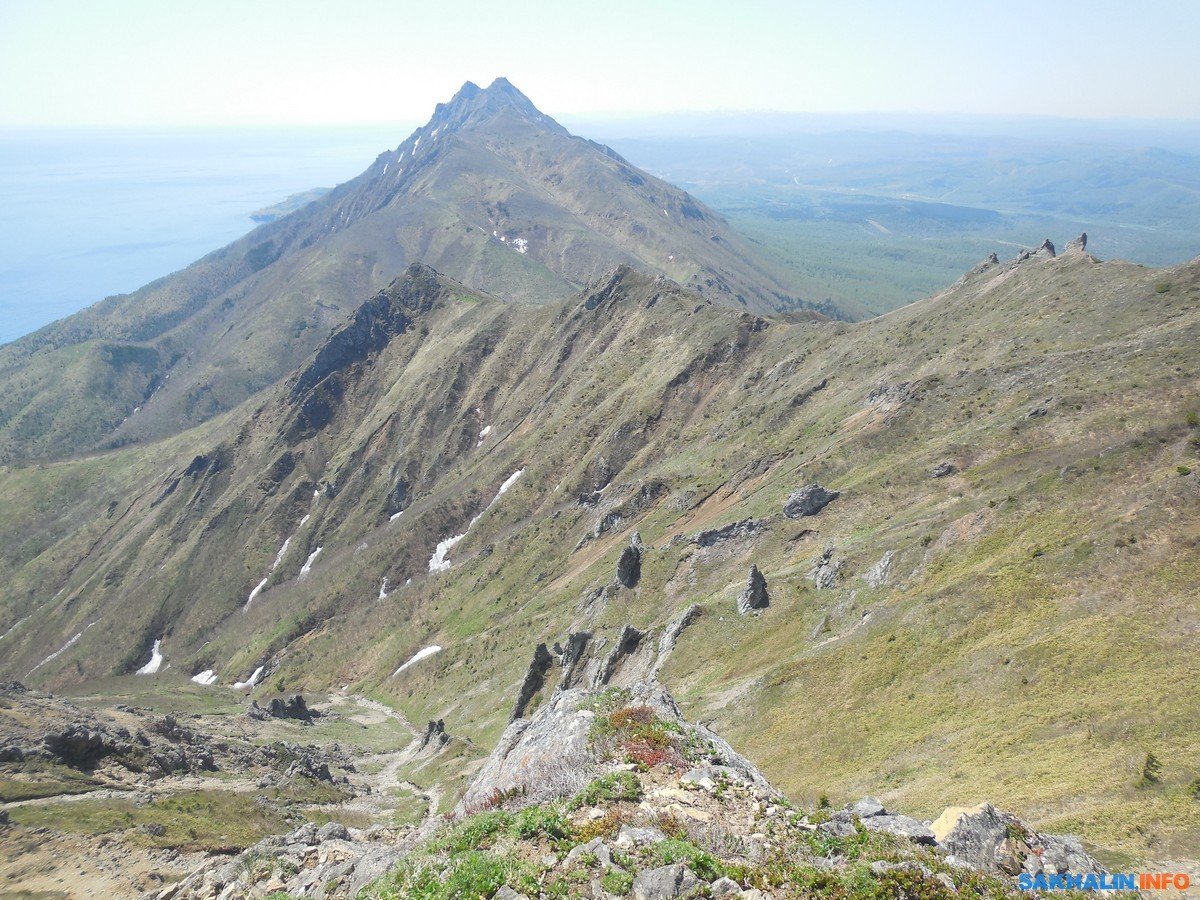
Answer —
(878, 574)
(808, 501)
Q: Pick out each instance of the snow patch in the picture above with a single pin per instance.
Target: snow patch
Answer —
(385, 167)
(487, 429)
(282, 550)
(438, 562)
(254, 593)
(417, 657)
(15, 626)
(307, 567)
(156, 659)
(383, 590)
(61, 650)
(207, 678)
(520, 245)
(251, 681)
(394, 516)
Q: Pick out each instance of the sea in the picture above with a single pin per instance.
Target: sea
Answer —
(87, 213)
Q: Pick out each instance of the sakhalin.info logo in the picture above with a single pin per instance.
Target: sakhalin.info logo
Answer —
(1109, 881)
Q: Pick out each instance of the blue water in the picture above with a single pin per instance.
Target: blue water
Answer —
(89, 213)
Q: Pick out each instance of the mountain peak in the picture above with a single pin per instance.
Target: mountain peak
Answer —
(473, 104)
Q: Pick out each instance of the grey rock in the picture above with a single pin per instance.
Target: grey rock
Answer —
(733, 531)
(826, 571)
(507, 893)
(808, 501)
(1045, 249)
(996, 842)
(332, 831)
(629, 836)
(755, 595)
(435, 736)
(725, 887)
(1079, 245)
(595, 847)
(878, 574)
(942, 469)
(666, 644)
(838, 828)
(535, 680)
(664, 883)
(901, 826)
(629, 566)
(867, 807)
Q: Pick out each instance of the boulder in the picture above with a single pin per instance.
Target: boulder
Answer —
(867, 807)
(900, 826)
(808, 501)
(664, 883)
(942, 469)
(755, 595)
(435, 735)
(725, 887)
(629, 566)
(332, 831)
(1079, 245)
(984, 838)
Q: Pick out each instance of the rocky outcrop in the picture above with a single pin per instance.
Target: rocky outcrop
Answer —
(292, 707)
(826, 571)
(754, 597)
(746, 528)
(535, 680)
(666, 644)
(808, 501)
(435, 736)
(629, 565)
(1078, 245)
(878, 574)
(984, 838)
(942, 469)
(665, 883)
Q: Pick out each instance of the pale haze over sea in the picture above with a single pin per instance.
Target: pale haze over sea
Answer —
(89, 213)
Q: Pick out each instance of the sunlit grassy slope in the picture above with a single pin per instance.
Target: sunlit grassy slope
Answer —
(1034, 639)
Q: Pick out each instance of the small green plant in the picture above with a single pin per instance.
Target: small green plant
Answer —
(1193, 788)
(1162, 287)
(1193, 419)
(1183, 470)
(617, 882)
(612, 787)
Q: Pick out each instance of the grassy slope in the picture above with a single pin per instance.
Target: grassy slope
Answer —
(1032, 647)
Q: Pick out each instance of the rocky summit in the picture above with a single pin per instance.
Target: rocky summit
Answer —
(496, 525)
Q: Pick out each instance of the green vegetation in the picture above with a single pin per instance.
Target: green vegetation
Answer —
(210, 820)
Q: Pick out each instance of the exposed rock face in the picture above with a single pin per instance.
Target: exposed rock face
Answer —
(1079, 245)
(435, 735)
(987, 839)
(942, 469)
(733, 531)
(293, 707)
(878, 574)
(551, 755)
(755, 596)
(808, 501)
(629, 566)
(626, 645)
(535, 679)
(666, 643)
(826, 571)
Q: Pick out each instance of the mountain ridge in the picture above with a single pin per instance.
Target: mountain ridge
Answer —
(490, 191)
(1014, 467)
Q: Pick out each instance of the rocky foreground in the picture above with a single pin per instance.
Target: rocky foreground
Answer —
(609, 792)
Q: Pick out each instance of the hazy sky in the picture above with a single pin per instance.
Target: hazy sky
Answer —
(186, 62)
